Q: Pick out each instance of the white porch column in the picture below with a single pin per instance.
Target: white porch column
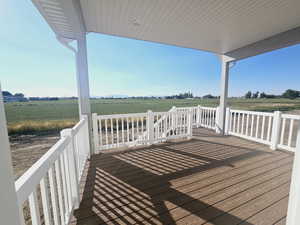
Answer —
(293, 215)
(224, 93)
(83, 84)
(9, 209)
(83, 78)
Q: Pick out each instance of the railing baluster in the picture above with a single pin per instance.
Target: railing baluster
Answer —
(142, 120)
(247, 125)
(68, 178)
(117, 126)
(60, 190)
(112, 131)
(269, 128)
(238, 123)
(34, 209)
(127, 120)
(53, 194)
(263, 128)
(132, 128)
(100, 132)
(291, 132)
(64, 184)
(257, 126)
(252, 125)
(234, 122)
(45, 201)
(243, 121)
(106, 133)
(138, 127)
(123, 131)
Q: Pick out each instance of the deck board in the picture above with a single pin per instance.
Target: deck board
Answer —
(207, 180)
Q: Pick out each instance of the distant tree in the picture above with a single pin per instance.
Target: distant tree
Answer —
(263, 95)
(19, 95)
(208, 96)
(255, 95)
(248, 94)
(6, 93)
(292, 94)
(273, 96)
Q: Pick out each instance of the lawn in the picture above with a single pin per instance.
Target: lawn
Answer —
(53, 115)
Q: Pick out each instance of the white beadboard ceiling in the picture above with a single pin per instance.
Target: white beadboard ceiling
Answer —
(218, 26)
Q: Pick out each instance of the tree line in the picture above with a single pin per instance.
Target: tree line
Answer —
(291, 94)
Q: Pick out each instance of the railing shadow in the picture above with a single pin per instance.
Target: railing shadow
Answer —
(135, 186)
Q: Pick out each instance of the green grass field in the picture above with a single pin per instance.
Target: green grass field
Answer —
(26, 117)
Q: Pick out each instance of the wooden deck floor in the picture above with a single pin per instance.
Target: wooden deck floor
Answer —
(207, 180)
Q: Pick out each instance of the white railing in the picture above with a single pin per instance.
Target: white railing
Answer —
(275, 129)
(288, 131)
(51, 185)
(203, 116)
(114, 131)
(255, 126)
(127, 130)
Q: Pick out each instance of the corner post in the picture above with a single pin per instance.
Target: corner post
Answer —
(73, 166)
(293, 215)
(224, 92)
(275, 130)
(11, 213)
(190, 123)
(83, 85)
(227, 121)
(150, 127)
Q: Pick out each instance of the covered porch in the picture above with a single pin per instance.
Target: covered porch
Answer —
(191, 165)
(210, 179)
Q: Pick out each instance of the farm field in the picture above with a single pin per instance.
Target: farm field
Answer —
(51, 116)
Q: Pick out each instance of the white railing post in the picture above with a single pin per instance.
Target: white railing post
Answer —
(190, 123)
(224, 91)
(275, 130)
(150, 127)
(174, 110)
(95, 132)
(10, 211)
(293, 215)
(227, 121)
(72, 161)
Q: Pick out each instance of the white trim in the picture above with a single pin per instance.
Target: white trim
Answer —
(10, 213)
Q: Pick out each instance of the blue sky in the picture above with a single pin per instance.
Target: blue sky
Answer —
(33, 62)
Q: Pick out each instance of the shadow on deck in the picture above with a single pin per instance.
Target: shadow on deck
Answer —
(207, 180)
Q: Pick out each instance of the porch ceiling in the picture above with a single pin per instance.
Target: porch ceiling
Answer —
(236, 28)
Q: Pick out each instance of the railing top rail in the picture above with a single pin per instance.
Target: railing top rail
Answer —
(77, 127)
(117, 116)
(188, 107)
(210, 108)
(290, 116)
(251, 112)
(160, 113)
(24, 185)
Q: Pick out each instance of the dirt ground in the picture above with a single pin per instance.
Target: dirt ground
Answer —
(27, 149)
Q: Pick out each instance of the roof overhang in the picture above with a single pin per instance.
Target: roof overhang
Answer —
(236, 28)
